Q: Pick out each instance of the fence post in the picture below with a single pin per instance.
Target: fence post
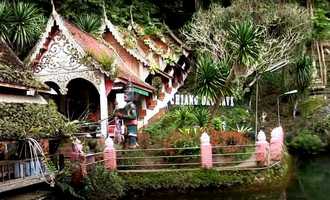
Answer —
(262, 149)
(276, 144)
(109, 153)
(78, 157)
(206, 151)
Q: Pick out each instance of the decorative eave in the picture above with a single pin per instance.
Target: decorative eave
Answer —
(21, 87)
(83, 42)
(136, 53)
(56, 19)
(7, 98)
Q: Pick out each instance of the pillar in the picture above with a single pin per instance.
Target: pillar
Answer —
(109, 154)
(103, 107)
(262, 149)
(206, 151)
(78, 161)
(276, 144)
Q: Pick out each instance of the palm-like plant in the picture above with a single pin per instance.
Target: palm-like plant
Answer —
(304, 70)
(244, 41)
(4, 15)
(210, 78)
(89, 23)
(21, 24)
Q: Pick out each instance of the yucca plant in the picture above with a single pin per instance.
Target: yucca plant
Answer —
(26, 24)
(210, 77)
(89, 23)
(201, 117)
(304, 70)
(4, 25)
(21, 24)
(244, 41)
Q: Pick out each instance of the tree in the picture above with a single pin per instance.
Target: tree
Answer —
(259, 36)
(21, 25)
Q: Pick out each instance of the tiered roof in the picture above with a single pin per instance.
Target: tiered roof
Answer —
(13, 73)
(90, 45)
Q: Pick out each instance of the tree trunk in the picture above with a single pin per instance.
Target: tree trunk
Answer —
(319, 60)
(324, 65)
(295, 108)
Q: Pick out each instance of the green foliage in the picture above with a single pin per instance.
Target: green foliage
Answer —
(89, 23)
(19, 121)
(183, 116)
(303, 73)
(201, 116)
(321, 24)
(218, 124)
(103, 184)
(306, 142)
(10, 74)
(107, 63)
(157, 84)
(311, 105)
(21, 24)
(210, 77)
(70, 8)
(184, 181)
(244, 43)
(145, 13)
(233, 119)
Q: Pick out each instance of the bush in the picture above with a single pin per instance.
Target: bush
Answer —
(184, 116)
(232, 118)
(103, 184)
(20, 121)
(306, 142)
(183, 138)
(311, 105)
(201, 116)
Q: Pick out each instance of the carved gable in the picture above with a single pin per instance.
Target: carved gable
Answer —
(63, 62)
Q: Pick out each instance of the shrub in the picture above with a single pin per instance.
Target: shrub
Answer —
(201, 116)
(232, 119)
(218, 124)
(144, 140)
(103, 184)
(312, 104)
(228, 138)
(181, 139)
(183, 116)
(20, 121)
(306, 142)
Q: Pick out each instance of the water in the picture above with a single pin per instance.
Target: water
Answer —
(310, 181)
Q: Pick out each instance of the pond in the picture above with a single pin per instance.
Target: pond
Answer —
(310, 181)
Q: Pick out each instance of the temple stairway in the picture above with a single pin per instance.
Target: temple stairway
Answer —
(160, 107)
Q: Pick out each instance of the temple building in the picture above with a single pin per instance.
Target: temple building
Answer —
(24, 116)
(88, 75)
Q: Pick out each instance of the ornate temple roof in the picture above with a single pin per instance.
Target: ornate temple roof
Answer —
(86, 43)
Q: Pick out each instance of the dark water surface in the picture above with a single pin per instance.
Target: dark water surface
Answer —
(310, 181)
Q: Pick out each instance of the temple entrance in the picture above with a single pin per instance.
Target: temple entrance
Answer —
(82, 100)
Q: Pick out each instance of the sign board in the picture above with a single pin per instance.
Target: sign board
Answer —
(191, 100)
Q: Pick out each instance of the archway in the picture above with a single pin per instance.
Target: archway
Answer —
(56, 96)
(82, 99)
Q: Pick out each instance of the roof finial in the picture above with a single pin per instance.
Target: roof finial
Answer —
(53, 6)
(104, 12)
